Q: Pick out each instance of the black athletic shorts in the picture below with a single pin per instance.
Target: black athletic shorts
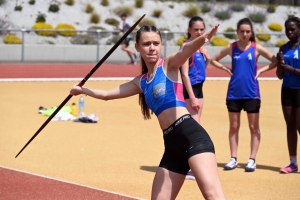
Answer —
(184, 139)
(197, 89)
(290, 97)
(126, 41)
(249, 105)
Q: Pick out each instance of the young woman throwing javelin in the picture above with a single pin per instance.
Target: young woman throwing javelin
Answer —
(193, 73)
(243, 89)
(289, 71)
(187, 144)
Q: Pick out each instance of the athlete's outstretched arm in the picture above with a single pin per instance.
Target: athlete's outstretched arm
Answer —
(125, 90)
(176, 60)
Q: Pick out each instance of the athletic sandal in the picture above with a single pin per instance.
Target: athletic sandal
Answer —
(232, 164)
(291, 168)
(190, 175)
(251, 166)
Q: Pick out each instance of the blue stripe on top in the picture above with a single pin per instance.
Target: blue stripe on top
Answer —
(243, 84)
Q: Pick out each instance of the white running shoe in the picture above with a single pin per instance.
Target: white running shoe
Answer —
(251, 166)
(232, 164)
(190, 175)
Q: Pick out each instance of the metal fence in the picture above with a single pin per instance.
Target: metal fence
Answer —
(170, 40)
(266, 2)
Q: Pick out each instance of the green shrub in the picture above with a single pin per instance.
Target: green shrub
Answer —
(271, 8)
(170, 35)
(2, 2)
(31, 2)
(125, 9)
(83, 39)
(279, 43)
(223, 14)
(112, 21)
(229, 35)
(53, 8)
(263, 36)
(104, 2)
(95, 18)
(66, 27)
(12, 39)
(139, 3)
(157, 13)
(237, 7)
(102, 34)
(219, 41)
(181, 40)
(45, 26)
(205, 8)
(257, 16)
(146, 21)
(40, 17)
(18, 8)
(275, 27)
(70, 2)
(89, 8)
(191, 11)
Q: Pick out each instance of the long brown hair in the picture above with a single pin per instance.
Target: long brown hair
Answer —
(142, 101)
(248, 22)
(191, 23)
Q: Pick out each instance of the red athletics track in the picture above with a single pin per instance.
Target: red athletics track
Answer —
(70, 70)
(15, 185)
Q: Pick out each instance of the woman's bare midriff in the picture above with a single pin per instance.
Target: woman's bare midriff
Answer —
(169, 116)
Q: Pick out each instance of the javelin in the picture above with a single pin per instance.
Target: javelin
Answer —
(82, 82)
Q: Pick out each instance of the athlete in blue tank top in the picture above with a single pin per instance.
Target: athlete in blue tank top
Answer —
(161, 93)
(243, 84)
(193, 71)
(288, 69)
(243, 89)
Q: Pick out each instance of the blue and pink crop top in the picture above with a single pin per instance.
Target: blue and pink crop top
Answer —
(161, 93)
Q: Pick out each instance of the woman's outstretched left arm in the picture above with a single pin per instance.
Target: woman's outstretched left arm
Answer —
(178, 59)
(122, 91)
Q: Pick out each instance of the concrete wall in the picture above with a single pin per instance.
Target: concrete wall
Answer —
(83, 53)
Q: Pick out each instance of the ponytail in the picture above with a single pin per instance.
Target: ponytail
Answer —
(142, 101)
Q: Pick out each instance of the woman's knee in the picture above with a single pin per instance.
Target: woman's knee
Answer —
(213, 195)
(234, 129)
(254, 130)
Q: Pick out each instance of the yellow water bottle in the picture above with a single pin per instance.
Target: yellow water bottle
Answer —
(74, 109)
